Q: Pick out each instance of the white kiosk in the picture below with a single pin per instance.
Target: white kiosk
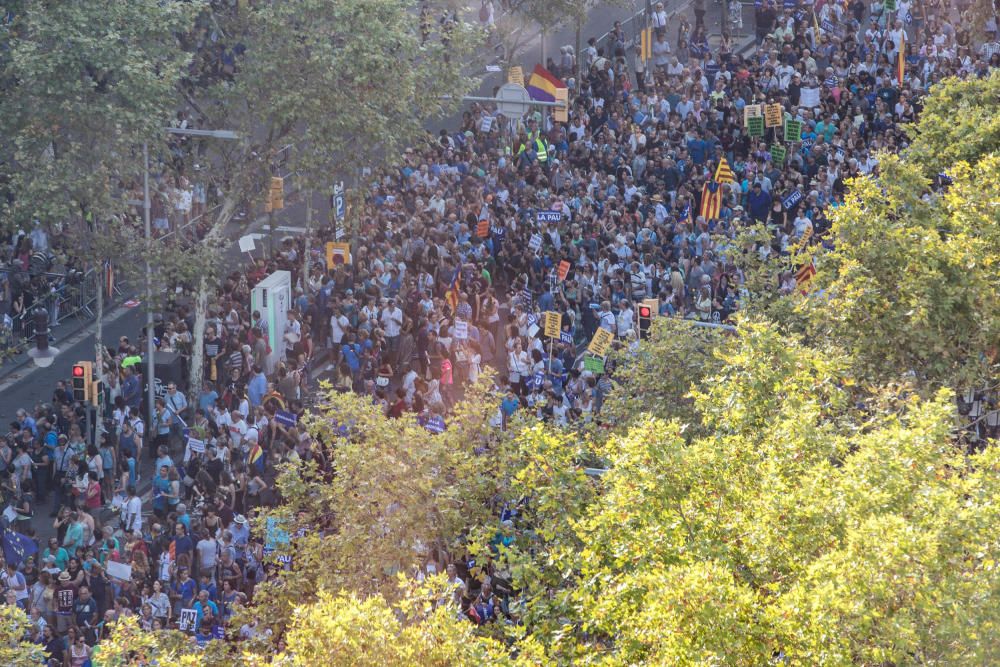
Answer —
(272, 297)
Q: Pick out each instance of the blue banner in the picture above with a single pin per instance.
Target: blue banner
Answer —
(285, 418)
(548, 216)
(793, 198)
(436, 425)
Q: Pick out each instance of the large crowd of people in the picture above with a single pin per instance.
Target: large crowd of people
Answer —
(457, 252)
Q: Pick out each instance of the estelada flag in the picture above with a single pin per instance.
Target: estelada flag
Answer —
(542, 85)
(711, 200)
(454, 290)
(805, 273)
(723, 174)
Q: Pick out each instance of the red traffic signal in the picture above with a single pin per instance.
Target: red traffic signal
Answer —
(78, 371)
(645, 311)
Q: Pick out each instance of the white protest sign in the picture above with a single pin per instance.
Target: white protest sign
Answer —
(809, 98)
(246, 244)
(535, 243)
(189, 618)
(461, 329)
(119, 571)
(487, 124)
(197, 446)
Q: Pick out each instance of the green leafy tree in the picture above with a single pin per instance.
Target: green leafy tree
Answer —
(816, 519)
(656, 382)
(15, 647)
(911, 285)
(85, 85)
(401, 495)
(957, 124)
(324, 87)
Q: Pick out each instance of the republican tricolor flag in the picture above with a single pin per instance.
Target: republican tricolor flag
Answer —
(542, 85)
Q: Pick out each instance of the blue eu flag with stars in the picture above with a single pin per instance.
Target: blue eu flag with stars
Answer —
(17, 547)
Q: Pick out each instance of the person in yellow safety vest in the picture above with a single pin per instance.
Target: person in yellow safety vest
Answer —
(541, 151)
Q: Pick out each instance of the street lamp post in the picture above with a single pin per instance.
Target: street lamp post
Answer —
(146, 205)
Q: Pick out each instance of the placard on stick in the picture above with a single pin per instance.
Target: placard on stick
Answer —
(793, 130)
(752, 111)
(755, 126)
(563, 269)
(601, 342)
(188, 619)
(773, 115)
(553, 324)
(778, 154)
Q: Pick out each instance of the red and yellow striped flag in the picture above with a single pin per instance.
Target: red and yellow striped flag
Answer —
(724, 174)
(901, 61)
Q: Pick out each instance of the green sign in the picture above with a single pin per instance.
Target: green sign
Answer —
(793, 130)
(755, 126)
(593, 364)
(889, 5)
(778, 154)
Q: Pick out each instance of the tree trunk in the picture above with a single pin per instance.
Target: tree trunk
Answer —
(198, 343)
(195, 372)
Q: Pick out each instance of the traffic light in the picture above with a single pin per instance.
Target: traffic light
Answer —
(648, 309)
(277, 193)
(83, 372)
(96, 392)
(645, 319)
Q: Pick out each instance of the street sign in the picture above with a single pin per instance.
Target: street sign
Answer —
(337, 253)
(339, 203)
(513, 100)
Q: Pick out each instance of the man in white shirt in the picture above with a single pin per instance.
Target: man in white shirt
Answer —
(660, 19)
(293, 331)
(132, 512)
(626, 317)
(607, 317)
(16, 582)
(392, 324)
(338, 326)
(661, 52)
(237, 429)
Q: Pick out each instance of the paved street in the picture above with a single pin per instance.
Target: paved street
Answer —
(25, 385)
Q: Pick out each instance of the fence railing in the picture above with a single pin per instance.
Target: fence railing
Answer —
(17, 332)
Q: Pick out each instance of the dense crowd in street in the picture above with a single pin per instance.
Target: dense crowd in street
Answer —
(457, 252)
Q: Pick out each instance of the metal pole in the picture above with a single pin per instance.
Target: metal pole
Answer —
(150, 348)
